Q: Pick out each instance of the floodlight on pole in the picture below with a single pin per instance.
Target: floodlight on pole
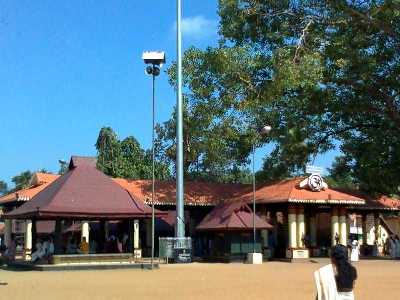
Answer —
(154, 60)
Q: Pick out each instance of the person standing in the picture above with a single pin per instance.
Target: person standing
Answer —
(336, 280)
(355, 251)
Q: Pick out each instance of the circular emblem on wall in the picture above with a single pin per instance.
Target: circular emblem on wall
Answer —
(315, 182)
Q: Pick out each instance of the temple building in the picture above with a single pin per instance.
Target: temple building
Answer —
(296, 218)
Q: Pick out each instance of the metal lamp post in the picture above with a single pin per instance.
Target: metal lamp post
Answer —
(180, 222)
(155, 61)
(263, 131)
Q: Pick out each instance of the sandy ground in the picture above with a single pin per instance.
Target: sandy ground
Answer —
(272, 280)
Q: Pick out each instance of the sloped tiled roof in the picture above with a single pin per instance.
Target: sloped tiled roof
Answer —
(196, 193)
(211, 194)
(232, 215)
(39, 181)
(83, 192)
(289, 191)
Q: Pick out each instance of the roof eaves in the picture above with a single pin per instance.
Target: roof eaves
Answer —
(325, 201)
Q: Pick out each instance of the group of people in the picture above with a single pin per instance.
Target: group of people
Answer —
(393, 246)
(44, 250)
(112, 244)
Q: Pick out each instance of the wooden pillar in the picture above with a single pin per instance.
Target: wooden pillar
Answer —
(334, 225)
(34, 235)
(313, 230)
(28, 240)
(57, 237)
(106, 230)
(364, 229)
(301, 227)
(102, 235)
(376, 226)
(7, 232)
(264, 235)
(343, 226)
(377, 223)
(292, 226)
(148, 233)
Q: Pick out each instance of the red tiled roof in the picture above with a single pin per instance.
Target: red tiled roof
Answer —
(196, 193)
(203, 193)
(83, 192)
(289, 191)
(39, 178)
(390, 203)
(232, 215)
(39, 181)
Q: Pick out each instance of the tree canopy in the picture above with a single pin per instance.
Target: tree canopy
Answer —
(321, 73)
(3, 187)
(126, 158)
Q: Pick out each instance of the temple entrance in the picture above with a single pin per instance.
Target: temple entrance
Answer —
(323, 224)
(280, 236)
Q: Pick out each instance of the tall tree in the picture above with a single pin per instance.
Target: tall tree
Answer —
(126, 158)
(318, 71)
(109, 152)
(3, 187)
(22, 180)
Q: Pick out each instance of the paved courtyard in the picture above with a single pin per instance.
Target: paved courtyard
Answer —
(272, 280)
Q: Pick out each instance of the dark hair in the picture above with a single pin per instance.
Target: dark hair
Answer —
(346, 273)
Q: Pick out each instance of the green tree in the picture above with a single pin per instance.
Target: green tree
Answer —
(109, 152)
(3, 187)
(22, 180)
(320, 72)
(126, 158)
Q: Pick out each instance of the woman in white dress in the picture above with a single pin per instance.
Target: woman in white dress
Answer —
(355, 251)
(336, 281)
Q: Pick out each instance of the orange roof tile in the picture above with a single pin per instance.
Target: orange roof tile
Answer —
(389, 202)
(38, 182)
(196, 193)
(289, 191)
(39, 178)
(203, 193)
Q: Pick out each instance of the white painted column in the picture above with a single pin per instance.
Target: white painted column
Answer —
(343, 227)
(334, 225)
(313, 231)
(301, 227)
(7, 232)
(28, 239)
(292, 226)
(85, 231)
(135, 234)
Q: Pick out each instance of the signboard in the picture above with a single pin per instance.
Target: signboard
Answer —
(179, 249)
(310, 169)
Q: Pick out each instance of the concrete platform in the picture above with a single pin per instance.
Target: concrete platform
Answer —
(24, 266)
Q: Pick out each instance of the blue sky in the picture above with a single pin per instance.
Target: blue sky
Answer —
(68, 68)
